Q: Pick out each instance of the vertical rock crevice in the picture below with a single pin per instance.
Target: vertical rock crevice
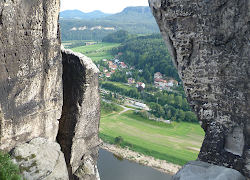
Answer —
(79, 123)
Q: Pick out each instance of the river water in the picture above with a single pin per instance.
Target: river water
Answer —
(110, 168)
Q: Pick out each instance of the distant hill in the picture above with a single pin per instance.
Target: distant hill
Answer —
(77, 14)
(133, 14)
(135, 20)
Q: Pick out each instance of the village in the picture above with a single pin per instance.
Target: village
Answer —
(112, 66)
(109, 67)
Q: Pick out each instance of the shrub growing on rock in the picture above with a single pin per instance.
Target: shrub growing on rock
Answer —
(8, 170)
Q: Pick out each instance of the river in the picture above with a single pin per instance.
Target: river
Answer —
(112, 168)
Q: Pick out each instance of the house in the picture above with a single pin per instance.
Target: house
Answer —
(89, 43)
(120, 54)
(110, 63)
(129, 73)
(160, 83)
(105, 70)
(117, 61)
(174, 82)
(158, 75)
(131, 81)
(140, 84)
(140, 71)
(123, 65)
(104, 60)
(108, 75)
(112, 71)
(113, 66)
(142, 106)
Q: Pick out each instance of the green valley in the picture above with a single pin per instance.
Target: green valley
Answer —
(177, 142)
(165, 127)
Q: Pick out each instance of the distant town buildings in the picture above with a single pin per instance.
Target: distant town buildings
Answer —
(108, 75)
(140, 84)
(131, 81)
(160, 81)
(123, 65)
(158, 75)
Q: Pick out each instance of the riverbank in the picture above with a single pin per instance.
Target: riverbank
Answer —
(160, 165)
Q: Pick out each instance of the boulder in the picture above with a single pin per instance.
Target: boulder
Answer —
(197, 170)
(40, 159)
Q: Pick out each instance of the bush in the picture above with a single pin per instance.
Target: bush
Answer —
(109, 107)
(119, 140)
(8, 170)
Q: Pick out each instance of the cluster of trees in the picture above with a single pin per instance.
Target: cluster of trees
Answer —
(148, 53)
(133, 93)
(165, 97)
(163, 104)
(117, 37)
(108, 107)
(174, 114)
(119, 76)
(76, 44)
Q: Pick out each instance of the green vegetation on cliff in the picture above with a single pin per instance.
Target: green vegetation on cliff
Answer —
(8, 170)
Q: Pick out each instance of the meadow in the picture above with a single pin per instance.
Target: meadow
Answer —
(120, 85)
(177, 142)
(97, 51)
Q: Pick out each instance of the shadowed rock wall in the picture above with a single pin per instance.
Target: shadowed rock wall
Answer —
(79, 124)
(209, 41)
(30, 71)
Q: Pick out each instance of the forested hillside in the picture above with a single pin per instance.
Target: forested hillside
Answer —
(77, 14)
(135, 20)
(148, 53)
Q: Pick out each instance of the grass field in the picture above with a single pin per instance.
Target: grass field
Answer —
(177, 143)
(119, 84)
(97, 51)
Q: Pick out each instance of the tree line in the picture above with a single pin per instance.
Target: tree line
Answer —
(167, 105)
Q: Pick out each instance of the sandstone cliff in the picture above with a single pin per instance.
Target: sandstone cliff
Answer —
(31, 70)
(40, 87)
(79, 124)
(209, 41)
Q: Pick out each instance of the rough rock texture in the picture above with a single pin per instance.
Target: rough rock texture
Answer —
(41, 159)
(197, 170)
(209, 41)
(79, 124)
(30, 71)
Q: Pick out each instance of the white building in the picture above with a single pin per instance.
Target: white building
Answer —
(158, 75)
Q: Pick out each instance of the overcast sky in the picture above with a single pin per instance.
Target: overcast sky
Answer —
(107, 6)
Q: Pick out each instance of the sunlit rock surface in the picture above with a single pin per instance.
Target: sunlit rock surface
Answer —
(197, 170)
(30, 71)
(79, 124)
(209, 41)
(41, 159)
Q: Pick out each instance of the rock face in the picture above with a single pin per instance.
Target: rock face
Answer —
(30, 71)
(197, 170)
(79, 124)
(41, 159)
(209, 41)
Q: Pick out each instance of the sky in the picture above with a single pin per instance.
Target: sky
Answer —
(107, 6)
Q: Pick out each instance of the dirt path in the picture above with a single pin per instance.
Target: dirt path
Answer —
(160, 165)
(125, 109)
